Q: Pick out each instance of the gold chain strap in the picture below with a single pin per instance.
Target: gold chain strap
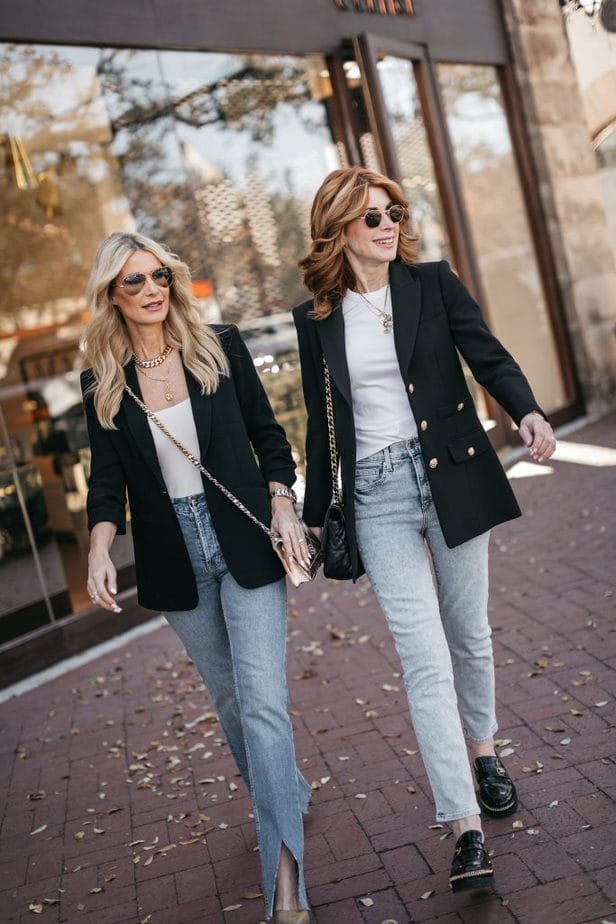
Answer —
(333, 450)
(237, 503)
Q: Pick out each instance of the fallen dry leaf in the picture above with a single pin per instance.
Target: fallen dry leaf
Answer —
(427, 894)
(366, 902)
(39, 830)
(35, 907)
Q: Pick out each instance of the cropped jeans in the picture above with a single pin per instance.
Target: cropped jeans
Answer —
(440, 627)
(237, 640)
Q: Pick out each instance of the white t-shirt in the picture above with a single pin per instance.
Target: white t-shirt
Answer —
(380, 404)
(181, 477)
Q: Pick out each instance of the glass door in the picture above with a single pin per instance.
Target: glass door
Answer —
(443, 132)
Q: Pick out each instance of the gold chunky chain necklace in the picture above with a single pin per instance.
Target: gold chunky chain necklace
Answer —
(152, 363)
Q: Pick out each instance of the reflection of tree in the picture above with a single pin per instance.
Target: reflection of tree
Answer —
(244, 100)
(47, 235)
(172, 201)
(458, 80)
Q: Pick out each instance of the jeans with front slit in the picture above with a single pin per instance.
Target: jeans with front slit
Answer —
(237, 639)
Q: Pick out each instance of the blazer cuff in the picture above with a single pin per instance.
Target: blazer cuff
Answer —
(285, 476)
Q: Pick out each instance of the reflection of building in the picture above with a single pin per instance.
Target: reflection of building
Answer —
(219, 155)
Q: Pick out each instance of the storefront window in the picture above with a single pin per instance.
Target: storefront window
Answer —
(216, 155)
(416, 167)
(501, 234)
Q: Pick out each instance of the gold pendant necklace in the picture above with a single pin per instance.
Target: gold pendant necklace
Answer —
(165, 382)
(384, 317)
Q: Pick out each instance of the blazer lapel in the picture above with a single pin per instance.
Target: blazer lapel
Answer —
(406, 305)
(202, 412)
(139, 426)
(331, 335)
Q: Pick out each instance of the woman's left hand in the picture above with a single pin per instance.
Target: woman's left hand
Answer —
(289, 528)
(537, 434)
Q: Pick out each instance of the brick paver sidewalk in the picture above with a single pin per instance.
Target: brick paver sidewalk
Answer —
(121, 803)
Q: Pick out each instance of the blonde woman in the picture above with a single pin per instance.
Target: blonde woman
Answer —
(198, 559)
(420, 478)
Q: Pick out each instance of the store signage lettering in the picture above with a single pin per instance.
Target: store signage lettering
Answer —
(382, 7)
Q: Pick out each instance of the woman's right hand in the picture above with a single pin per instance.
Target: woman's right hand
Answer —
(102, 582)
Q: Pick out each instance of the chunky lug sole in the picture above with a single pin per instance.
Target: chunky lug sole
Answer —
(493, 812)
(478, 879)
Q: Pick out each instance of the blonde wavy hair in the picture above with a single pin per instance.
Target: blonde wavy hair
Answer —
(106, 343)
(341, 198)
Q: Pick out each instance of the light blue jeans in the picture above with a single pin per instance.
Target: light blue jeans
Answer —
(237, 640)
(441, 632)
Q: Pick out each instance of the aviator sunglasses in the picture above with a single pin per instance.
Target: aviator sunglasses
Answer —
(134, 283)
(373, 217)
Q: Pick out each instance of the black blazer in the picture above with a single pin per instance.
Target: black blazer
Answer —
(434, 316)
(230, 423)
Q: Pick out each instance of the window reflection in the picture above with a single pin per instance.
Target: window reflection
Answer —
(503, 243)
(417, 170)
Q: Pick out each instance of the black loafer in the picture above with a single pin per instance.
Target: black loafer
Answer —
(471, 867)
(497, 795)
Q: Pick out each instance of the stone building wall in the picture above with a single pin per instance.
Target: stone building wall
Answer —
(569, 189)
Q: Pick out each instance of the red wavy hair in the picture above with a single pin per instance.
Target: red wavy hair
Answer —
(341, 198)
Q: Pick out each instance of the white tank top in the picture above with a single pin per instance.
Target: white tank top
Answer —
(181, 476)
(381, 407)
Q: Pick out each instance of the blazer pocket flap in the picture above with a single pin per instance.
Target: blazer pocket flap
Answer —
(465, 448)
(446, 410)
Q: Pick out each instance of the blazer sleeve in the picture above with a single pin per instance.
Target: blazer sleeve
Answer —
(107, 484)
(318, 465)
(488, 360)
(267, 437)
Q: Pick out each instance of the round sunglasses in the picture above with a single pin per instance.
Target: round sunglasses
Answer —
(134, 282)
(373, 217)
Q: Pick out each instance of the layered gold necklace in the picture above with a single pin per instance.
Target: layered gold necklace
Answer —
(152, 363)
(143, 364)
(382, 314)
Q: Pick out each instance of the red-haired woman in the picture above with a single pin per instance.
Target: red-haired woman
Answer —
(420, 478)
